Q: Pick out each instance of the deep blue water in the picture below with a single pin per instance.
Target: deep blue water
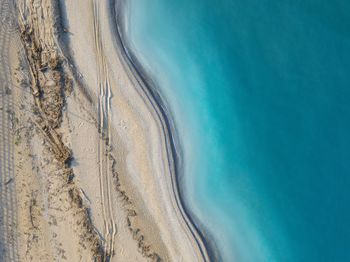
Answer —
(260, 93)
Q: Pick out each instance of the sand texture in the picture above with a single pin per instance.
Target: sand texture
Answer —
(87, 163)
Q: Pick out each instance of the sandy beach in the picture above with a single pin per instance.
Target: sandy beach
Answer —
(94, 157)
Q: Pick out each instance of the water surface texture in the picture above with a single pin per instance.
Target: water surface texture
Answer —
(260, 94)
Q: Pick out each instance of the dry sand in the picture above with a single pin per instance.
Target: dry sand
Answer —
(94, 177)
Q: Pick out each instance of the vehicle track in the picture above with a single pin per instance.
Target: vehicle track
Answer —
(8, 203)
(103, 84)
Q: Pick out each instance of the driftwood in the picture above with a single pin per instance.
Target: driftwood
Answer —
(49, 84)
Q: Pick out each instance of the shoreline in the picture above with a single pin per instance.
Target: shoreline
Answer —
(165, 139)
(149, 88)
(100, 157)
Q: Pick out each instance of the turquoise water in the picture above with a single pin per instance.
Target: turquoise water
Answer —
(260, 94)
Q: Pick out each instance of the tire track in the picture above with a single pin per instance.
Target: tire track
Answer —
(103, 84)
(8, 202)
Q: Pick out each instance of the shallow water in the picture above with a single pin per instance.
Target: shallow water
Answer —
(260, 94)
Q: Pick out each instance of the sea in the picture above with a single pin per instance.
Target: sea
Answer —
(259, 91)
